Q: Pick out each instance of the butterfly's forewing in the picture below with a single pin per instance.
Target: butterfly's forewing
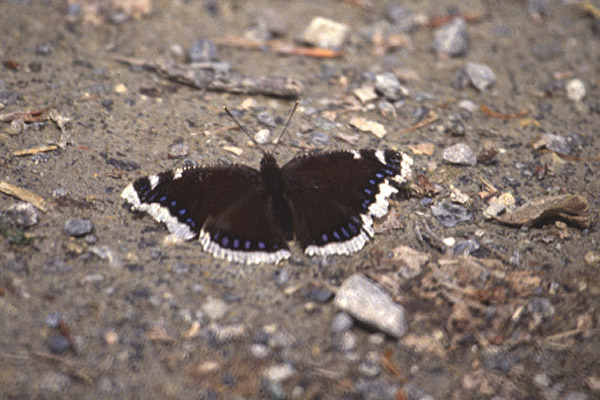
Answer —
(334, 196)
(220, 204)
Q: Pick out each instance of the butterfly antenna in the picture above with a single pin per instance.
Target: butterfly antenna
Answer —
(286, 126)
(242, 128)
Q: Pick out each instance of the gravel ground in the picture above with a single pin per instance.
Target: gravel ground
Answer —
(497, 103)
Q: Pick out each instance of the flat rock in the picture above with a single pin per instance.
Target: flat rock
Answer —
(368, 303)
(452, 39)
(324, 32)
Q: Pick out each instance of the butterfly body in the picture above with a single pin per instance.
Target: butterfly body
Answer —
(325, 201)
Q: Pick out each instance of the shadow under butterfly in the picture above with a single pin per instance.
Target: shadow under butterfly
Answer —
(325, 201)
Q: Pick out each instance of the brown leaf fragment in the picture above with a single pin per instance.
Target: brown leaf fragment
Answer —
(11, 64)
(507, 117)
(221, 81)
(570, 208)
(387, 361)
(422, 187)
(486, 155)
(539, 171)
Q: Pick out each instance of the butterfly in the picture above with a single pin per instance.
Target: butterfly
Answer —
(325, 201)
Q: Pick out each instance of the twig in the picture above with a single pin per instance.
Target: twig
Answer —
(23, 194)
(277, 47)
(75, 368)
(221, 81)
(432, 118)
(34, 150)
(507, 117)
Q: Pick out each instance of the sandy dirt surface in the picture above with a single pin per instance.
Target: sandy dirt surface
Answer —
(123, 313)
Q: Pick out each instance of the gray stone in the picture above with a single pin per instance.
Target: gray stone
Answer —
(323, 32)
(369, 367)
(281, 277)
(203, 50)
(452, 39)
(259, 350)
(389, 86)
(402, 18)
(54, 382)
(279, 372)
(319, 138)
(575, 90)
(541, 307)
(178, 150)
(78, 227)
(215, 308)
(22, 214)
(58, 344)
(368, 303)
(341, 322)
(480, 75)
(450, 214)
(555, 143)
(460, 154)
(347, 341)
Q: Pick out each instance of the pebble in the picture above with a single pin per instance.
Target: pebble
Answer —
(58, 344)
(389, 86)
(541, 306)
(267, 119)
(341, 322)
(259, 350)
(78, 227)
(22, 214)
(178, 150)
(499, 204)
(369, 367)
(281, 277)
(387, 109)
(541, 380)
(556, 143)
(450, 214)
(410, 262)
(468, 105)
(203, 50)
(54, 382)
(368, 303)
(279, 372)
(44, 49)
(465, 247)
(324, 32)
(365, 125)
(320, 295)
(460, 154)
(215, 308)
(319, 138)
(262, 136)
(365, 94)
(403, 19)
(378, 389)
(480, 75)
(576, 90)
(452, 38)
(53, 319)
(592, 258)
(347, 341)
